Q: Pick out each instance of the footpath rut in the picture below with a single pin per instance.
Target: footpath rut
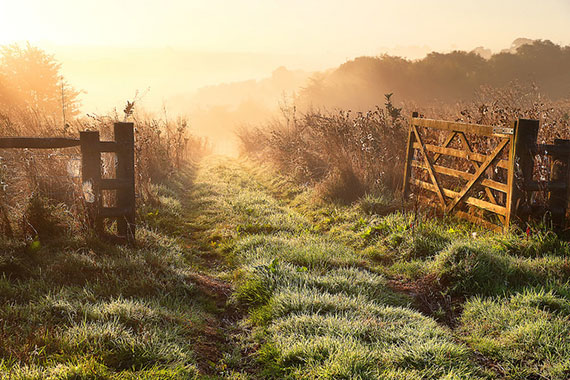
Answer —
(254, 237)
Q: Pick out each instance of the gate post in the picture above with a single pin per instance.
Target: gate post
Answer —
(521, 166)
(91, 176)
(559, 176)
(125, 140)
(409, 157)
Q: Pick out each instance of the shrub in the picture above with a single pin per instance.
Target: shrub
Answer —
(348, 155)
(40, 219)
(342, 184)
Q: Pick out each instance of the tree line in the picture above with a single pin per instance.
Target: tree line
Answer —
(440, 77)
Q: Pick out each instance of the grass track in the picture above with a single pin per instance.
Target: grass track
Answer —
(242, 274)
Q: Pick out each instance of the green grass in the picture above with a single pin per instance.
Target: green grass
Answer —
(318, 307)
(321, 304)
(77, 307)
(242, 274)
(487, 267)
(527, 333)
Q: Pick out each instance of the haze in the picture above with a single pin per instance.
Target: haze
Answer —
(112, 49)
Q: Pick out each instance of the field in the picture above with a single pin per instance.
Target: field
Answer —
(241, 274)
(300, 259)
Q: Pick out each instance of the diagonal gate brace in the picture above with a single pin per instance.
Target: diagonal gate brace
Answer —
(429, 167)
(492, 157)
(476, 166)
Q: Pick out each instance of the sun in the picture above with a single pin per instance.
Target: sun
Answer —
(20, 21)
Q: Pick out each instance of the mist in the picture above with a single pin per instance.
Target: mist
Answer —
(219, 93)
(216, 91)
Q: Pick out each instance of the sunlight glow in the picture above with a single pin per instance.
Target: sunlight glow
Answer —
(113, 48)
(277, 26)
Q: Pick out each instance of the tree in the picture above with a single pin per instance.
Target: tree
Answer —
(30, 78)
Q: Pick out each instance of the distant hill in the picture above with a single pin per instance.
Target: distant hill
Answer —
(442, 77)
(360, 84)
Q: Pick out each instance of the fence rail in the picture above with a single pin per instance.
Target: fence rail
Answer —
(91, 173)
(492, 189)
(37, 142)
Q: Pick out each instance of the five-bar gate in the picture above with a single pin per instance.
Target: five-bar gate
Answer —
(492, 189)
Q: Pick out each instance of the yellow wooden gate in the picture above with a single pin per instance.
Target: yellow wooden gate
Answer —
(483, 187)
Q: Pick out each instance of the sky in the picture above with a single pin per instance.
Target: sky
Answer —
(284, 26)
(177, 46)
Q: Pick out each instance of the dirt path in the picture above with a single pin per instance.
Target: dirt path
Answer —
(216, 350)
(243, 224)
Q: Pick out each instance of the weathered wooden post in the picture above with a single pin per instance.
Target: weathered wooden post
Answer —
(557, 200)
(91, 175)
(567, 183)
(521, 166)
(409, 157)
(124, 137)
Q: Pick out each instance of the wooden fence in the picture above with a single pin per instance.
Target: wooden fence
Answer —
(491, 189)
(93, 184)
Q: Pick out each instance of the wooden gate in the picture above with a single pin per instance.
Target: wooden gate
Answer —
(487, 189)
(91, 173)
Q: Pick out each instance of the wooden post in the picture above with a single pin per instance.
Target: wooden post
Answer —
(91, 175)
(567, 182)
(124, 137)
(521, 165)
(558, 174)
(409, 157)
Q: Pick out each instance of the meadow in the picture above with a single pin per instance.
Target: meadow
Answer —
(241, 273)
(298, 260)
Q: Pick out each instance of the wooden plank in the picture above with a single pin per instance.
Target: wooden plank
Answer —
(480, 221)
(429, 166)
(409, 157)
(500, 210)
(567, 178)
(37, 142)
(124, 137)
(558, 172)
(510, 204)
(478, 174)
(461, 214)
(475, 164)
(461, 154)
(463, 175)
(91, 176)
(481, 130)
(428, 186)
(521, 160)
(445, 145)
(492, 207)
(549, 149)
